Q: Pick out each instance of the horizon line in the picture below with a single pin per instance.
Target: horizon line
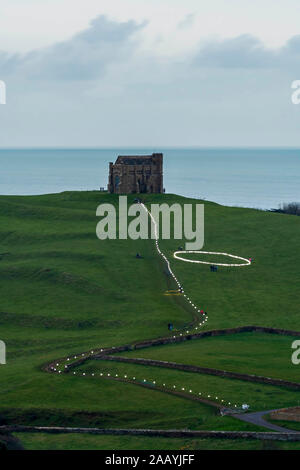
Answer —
(108, 147)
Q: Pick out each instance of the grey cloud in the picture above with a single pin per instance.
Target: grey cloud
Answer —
(63, 103)
(243, 51)
(248, 52)
(187, 21)
(291, 50)
(84, 56)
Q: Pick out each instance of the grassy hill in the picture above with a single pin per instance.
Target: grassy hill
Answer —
(63, 291)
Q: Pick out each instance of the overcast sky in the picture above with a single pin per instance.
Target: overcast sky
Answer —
(149, 72)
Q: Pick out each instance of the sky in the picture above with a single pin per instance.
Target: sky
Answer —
(149, 73)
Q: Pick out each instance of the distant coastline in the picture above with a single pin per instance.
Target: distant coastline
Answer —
(260, 178)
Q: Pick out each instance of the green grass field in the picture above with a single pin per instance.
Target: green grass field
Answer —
(286, 424)
(241, 352)
(82, 442)
(258, 396)
(63, 291)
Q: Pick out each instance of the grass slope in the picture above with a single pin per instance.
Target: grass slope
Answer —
(247, 353)
(85, 442)
(63, 291)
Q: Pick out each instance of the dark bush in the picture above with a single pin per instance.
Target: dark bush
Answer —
(291, 208)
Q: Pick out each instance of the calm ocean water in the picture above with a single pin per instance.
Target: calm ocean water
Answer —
(261, 178)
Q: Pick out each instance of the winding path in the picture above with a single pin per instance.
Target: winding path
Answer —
(257, 418)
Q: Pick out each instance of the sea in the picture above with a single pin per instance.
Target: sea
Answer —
(261, 178)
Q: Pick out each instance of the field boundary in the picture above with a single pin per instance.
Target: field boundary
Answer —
(279, 436)
(97, 353)
(202, 370)
(205, 334)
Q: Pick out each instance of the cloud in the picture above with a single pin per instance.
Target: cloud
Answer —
(187, 21)
(101, 88)
(244, 51)
(88, 54)
(248, 52)
(85, 56)
(291, 50)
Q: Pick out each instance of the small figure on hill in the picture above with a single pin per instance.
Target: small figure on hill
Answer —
(138, 256)
(170, 326)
